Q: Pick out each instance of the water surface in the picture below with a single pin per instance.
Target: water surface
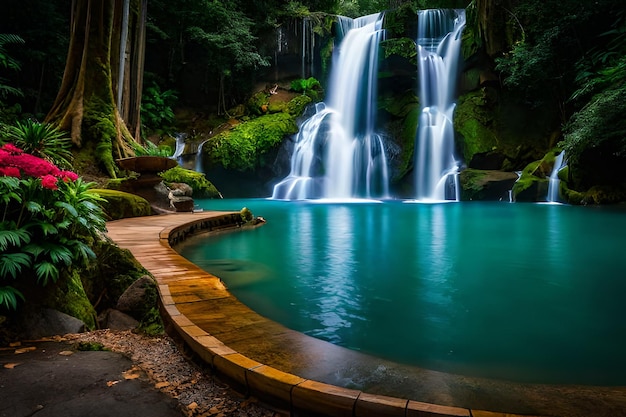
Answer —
(523, 292)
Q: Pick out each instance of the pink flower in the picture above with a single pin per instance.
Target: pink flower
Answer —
(10, 172)
(50, 182)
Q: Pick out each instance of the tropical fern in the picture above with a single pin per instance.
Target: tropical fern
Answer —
(42, 140)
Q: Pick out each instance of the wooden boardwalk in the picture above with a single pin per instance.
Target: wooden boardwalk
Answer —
(282, 366)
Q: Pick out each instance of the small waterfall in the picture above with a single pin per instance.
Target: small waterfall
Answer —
(180, 145)
(337, 153)
(439, 53)
(198, 165)
(553, 183)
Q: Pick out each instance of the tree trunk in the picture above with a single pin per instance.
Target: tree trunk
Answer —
(493, 16)
(86, 104)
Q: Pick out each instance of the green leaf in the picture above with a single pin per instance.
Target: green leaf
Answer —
(13, 238)
(33, 207)
(68, 208)
(9, 296)
(11, 264)
(46, 271)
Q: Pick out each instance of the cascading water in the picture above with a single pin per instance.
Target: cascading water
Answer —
(199, 166)
(180, 145)
(439, 51)
(337, 153)
(553, 183)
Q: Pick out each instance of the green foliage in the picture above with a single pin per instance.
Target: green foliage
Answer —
(42, 140)
(309, 86)
(202, 188)
(150, 149)
(9, 297)
(244, 147)
(404, 47)
(156, 107)
(7, 62)
(595, 139)
(605, 64)
(45, 227)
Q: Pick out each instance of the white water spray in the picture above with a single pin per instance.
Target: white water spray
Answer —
(337, 153)
(439, 53)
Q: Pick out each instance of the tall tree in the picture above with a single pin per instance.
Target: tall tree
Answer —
(103, 119)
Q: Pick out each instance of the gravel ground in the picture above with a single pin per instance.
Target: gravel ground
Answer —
(197, 390)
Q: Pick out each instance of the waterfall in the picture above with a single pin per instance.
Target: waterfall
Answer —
(337, 153)
(180, 145)
(439, 53)
(553, 183)
(198, 165)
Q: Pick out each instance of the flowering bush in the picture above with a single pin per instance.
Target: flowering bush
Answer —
(48, 219)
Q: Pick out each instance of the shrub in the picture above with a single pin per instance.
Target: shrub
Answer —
(48, 219)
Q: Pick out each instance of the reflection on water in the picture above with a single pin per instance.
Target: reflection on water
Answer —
(513, 291)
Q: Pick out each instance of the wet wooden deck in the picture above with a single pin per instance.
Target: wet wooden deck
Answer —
(297, 371)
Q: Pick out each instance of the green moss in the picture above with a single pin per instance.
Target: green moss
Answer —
(472, 181)
(246, 145)
(296, 106)
(150, 321)
(533, 183)
(474, 121)
(119, 204)
(258, 104)
(110, 274)
(202, 187)
(68, 296)
(101, 130)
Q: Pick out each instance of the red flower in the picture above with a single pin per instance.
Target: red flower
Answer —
(50, 182)
(34, 166)
(10, 172)
(67, 176)
(10, 148)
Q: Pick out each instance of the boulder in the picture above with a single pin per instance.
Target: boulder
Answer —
(133, 300)
(181, 189)
(48, 322)
(486, 184)
(116, 320)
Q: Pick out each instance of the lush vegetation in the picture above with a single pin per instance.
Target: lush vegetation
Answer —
(49, 221)
(560, 64)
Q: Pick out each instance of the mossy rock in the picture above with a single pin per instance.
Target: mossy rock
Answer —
(486, 184)
(120, 204)
(106, 279)
(474, 121)
(247, 146)
(68, 296)
(202, 187)
(296, 106)
(533, 183)
(603, 194)
(258, 104)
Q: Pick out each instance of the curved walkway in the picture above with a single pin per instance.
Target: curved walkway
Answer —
(308, 375)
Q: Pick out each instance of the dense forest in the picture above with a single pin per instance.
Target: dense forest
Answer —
(84, 84)
(539, 77)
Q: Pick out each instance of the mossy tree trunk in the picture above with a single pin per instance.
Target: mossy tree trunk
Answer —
(87, 102)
